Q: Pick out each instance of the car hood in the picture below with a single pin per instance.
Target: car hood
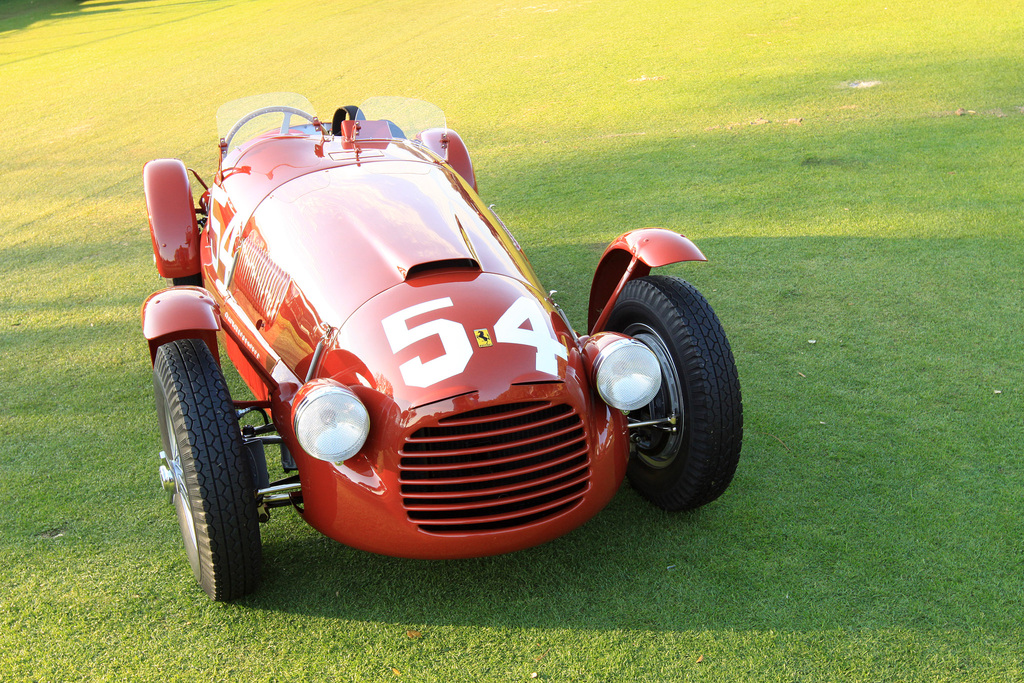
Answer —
(347, 233)
(453, 334)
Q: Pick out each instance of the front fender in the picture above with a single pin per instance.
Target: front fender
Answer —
(447, 144)
(180, 313)
(632, 255)
(172, 218)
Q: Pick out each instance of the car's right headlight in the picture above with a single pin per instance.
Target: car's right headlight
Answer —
(627, 374)
(330, 422)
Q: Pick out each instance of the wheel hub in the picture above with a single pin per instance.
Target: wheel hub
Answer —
(658, 447)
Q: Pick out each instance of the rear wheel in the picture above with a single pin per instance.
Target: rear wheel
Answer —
(189, 280)
(691, 463)
(214, 495)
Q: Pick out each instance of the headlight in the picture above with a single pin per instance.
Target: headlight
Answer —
(627, 374)
(331, 423)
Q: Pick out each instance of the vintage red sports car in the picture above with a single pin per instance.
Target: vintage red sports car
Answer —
(428, 396)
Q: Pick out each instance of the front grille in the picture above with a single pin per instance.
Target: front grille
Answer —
(494, 468)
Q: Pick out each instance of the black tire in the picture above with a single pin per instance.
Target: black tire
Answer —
(214, 494)
(190, 280)
(693, 465)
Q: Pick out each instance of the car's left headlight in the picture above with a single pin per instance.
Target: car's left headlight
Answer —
(331, 423)
(627, 374)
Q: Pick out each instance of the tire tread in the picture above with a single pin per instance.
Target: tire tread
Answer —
(216, 469)
(714, 402)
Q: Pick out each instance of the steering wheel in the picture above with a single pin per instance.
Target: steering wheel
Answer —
(285, 125)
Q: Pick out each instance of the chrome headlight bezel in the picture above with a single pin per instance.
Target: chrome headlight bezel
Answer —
(627, 374)
(329, 421)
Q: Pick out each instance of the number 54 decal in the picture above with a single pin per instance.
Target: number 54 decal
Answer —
(455, 340)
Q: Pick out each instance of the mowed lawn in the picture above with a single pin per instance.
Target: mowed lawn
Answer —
(854, 171)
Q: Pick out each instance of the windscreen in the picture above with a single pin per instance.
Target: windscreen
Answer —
(243, 119)
(410, 116)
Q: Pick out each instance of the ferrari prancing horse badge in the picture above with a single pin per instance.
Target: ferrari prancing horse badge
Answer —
(483, 338)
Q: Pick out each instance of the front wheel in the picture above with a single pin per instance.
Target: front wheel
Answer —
(690, 463)
(214, 495)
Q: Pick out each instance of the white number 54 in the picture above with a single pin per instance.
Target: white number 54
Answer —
(455, 341)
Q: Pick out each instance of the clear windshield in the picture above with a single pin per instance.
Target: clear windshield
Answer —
(244, 119)
(408, 117)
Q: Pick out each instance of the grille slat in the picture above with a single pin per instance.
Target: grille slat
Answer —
(472, 494)
(484, 515)
(454, 459)
(474, 485)
(425, 504)
(483, 431)
(495, 467)
(478, 474)
(506, 411)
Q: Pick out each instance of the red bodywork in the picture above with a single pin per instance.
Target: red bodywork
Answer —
(427, 310)
(172, 217)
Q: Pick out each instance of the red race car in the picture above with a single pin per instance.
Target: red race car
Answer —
(428, 397)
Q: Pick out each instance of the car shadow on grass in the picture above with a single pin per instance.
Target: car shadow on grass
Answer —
(845, 511)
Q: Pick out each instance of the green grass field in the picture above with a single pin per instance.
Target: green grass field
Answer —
(853, 170)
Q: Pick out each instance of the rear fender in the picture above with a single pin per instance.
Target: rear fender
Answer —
(449, 146)
(172, 218)
(629, 256)
(180, 313)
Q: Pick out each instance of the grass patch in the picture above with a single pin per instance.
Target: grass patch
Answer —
(852, 174)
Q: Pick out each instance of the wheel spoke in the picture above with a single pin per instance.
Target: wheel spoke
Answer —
(184, 507)
(656, 446)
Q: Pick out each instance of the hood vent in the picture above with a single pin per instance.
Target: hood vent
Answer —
(262, 280)
(421, 269)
